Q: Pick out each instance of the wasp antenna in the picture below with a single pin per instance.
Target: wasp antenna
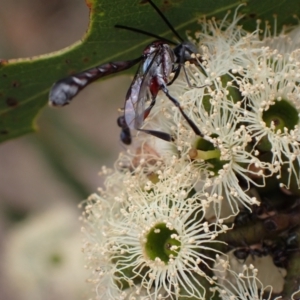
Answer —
(165, 19)
(145, 33)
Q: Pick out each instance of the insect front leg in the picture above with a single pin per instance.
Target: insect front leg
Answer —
(176, 72)
(182, 58)
(177, 104)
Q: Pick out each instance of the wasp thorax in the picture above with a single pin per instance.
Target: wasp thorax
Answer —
(184, 51)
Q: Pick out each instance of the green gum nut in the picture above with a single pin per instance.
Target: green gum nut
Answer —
(161, 243)
(279, 116)
(205, 150)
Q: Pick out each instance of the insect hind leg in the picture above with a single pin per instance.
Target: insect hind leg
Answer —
(177, 104)
(159, 134)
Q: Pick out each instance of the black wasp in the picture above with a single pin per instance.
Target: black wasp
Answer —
(157, 63)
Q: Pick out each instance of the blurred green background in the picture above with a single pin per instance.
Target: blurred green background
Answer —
(56, 168)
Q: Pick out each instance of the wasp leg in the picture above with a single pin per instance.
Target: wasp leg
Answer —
(159, 134)
(181, 64)
(177, 104)
(176, 72)
(189, 83)
(148, 109)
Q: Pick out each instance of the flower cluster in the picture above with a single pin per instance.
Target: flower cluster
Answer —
(151, 237)
(170, 210)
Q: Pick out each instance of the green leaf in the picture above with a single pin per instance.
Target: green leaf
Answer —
(25, 83)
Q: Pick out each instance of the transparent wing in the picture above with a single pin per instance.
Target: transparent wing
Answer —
(139, 92)
(143, 97)
(132, 98)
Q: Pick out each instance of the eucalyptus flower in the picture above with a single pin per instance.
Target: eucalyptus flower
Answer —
(156, 231)
(266, 272)
(271, 89)
(210, 96)
(151, 238)
(243, 285)
(285, 41)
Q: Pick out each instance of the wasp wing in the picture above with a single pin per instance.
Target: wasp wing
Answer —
(132, 97)
(140, 90)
